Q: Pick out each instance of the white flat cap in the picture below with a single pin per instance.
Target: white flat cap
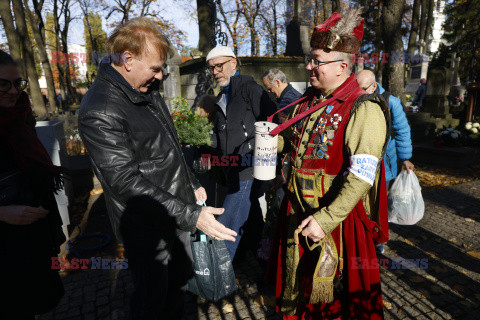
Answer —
(220, 51)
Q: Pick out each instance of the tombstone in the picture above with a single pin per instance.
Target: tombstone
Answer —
(206, 10)
(298, 31)
(418, 70)
(438, 88)
(171, 85)
(52, 136)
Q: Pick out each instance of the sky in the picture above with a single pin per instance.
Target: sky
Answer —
(172, 10)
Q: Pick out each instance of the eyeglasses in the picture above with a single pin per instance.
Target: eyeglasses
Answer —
(218, 67)
(20, 84)
(317, 63)
(365, 89)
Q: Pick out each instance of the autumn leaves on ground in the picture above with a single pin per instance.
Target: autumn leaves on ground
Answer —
(434, 178)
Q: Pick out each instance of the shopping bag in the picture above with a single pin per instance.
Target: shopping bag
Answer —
(405, 202)
(214, 277)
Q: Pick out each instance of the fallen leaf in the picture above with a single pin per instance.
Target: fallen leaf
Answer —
(440, 212)
(466, 246)
(424, 293)
(459, 288)
(440, 269)
(463, 271)
(265, 301)
(454, 240)
(227, 308)
(437, 289)
(474, 254)
(417, 279)
(387, 305)
(96, 191)
(410, 243)
(430, 277)
(469, 220)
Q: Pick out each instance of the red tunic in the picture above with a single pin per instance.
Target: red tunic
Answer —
(361, 296)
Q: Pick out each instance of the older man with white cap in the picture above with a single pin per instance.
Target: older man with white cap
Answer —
(241, 103)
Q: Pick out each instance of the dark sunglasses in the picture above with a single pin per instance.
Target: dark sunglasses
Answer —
(20, 84)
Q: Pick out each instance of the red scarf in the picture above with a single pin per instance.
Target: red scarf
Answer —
(25, 147)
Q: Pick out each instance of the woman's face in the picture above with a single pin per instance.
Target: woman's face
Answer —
(9, 98)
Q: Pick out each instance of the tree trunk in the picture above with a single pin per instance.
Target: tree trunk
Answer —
(12, 36)
(392, 21)
(428, 27)
(275, 30)
(231, 28)
(61, 79)
(35, 91)
(37, 25)
(93, 41)
(336, 6)
(250, 18)
(64, 37)
(325, 12)
(414, 31)
(423, 20)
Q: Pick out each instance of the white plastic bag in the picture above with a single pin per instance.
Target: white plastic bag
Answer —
(405, 202)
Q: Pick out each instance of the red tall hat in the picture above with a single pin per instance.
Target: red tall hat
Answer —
(339, 33)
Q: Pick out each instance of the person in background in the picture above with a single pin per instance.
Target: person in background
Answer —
(240, 103)
(400, 144)
(30, 224)
(419, 95)
(206, 107)
(276, 82)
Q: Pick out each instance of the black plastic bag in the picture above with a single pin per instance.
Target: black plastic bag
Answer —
(214, 277)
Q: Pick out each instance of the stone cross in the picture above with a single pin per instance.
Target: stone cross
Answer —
(454, 66)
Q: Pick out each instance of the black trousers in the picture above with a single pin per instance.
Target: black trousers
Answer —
(161, 266)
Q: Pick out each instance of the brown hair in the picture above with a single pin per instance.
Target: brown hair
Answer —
(133, 36)
(206, 107)
(6, 59)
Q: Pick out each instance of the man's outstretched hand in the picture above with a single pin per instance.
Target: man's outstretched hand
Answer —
(211, 227)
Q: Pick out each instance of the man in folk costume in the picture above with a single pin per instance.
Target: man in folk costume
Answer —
(334, 211)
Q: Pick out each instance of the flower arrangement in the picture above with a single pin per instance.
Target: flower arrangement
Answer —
(192, 129)
(473, 131)
(449, 137)
(472, 127)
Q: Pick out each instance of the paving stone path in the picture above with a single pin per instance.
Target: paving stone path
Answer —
(431, 271)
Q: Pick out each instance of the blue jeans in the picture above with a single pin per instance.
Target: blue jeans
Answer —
(237, 206)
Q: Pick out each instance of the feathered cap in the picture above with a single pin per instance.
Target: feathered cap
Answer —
(339, 33)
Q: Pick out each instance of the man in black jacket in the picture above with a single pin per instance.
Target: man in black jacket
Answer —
(276, 82)
(241, 103)
(150, 192)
